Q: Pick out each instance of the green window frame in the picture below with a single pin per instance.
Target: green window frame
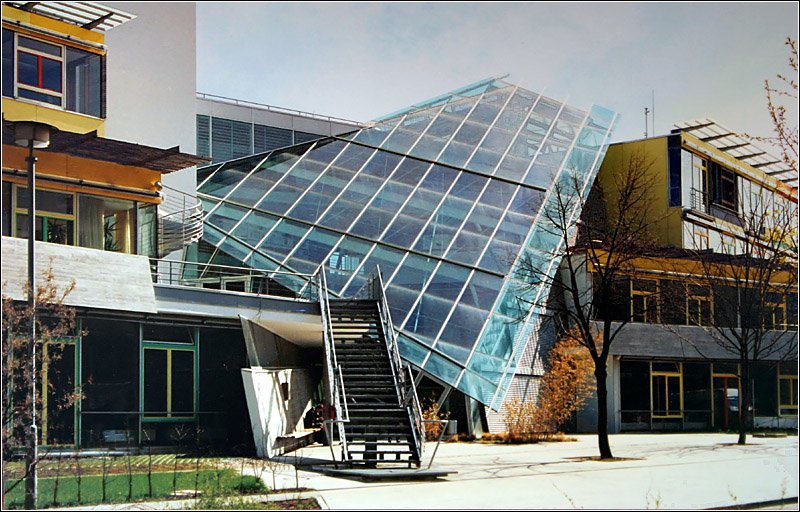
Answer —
(52, 222)
(177, 389)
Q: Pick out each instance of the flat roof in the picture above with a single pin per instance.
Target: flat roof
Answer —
(89, 145)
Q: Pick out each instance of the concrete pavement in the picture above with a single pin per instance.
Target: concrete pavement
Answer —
(666, 471)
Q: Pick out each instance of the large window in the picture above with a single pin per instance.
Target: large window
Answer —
(666, 390)
(54, 74)
(103, 223)
(55, 216)
(169, 373)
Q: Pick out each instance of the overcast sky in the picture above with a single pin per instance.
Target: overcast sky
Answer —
(362, 60)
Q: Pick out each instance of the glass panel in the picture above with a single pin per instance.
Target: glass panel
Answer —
(382, 210)
(227, 177)
(84, 82)
(39, 46)
(442, 368)
(313, 250)
(384, 257)
(182, 383)
(344, 260)
(263, 178)
(47, 201)
(351, 203)
(226, 216)
(283, 239)
(27, 69)
(106, 223)
(155, 382)
(168, 333)
(254, 226)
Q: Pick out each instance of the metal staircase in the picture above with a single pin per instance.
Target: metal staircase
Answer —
(376, 411)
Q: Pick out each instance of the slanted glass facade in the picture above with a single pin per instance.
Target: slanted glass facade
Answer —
(444, 196)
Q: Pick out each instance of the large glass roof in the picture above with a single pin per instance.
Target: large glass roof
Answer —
(444, 196)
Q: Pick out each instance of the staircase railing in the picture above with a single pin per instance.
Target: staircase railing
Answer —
(336, 392)
(405, 388)
(180, 220)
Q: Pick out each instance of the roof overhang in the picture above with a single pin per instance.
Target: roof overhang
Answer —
(86, 15)
(89, 145)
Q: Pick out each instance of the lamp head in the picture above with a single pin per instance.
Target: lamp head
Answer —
(27, 131)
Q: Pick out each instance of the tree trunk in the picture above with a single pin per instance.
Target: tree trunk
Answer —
(600, 375)
(745, 403)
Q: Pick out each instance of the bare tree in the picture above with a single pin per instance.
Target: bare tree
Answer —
(595, 248)
(753, 282)
(54, 322)
(782, 110)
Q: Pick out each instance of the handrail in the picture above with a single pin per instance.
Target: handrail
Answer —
(336, 392)
(196, 274)
(401, 386)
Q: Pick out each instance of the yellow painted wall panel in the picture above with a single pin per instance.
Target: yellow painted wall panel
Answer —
(668, 229)
(96, 171)
(14, 110)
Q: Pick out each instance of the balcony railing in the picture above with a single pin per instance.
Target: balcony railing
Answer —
(237, 279)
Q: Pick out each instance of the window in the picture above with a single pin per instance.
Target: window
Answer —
(169, 373)
(40, 69)
(699, 305)
(724, 187)
(775, 312)
(55, 216)
(787, 383)
(644, 300)
(666, 390)
(58, 75)
(700, 239)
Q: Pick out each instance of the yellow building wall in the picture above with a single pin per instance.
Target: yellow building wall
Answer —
(667, 229)
(83, 172)
(23, 110)
(14, 110)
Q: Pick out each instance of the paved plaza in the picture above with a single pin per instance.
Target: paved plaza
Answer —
(657, 471)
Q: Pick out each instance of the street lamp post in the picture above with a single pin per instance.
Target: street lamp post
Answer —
(32, 135)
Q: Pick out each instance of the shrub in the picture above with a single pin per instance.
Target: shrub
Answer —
(566, 384)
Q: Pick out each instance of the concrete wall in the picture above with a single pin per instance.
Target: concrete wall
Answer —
(152, 80)
(273, 415)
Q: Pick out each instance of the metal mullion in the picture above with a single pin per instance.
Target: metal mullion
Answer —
(358, 237)
(536, 221)
(300, 198)
(464, 222)
(413, 191)
(211, 175)
(380, 189)
(539, 213)
(253, 250)
(355, 272)
(494, 231)
(435, 210)
(281, 217)
(530, 230)
(274, 185)
(235, 187)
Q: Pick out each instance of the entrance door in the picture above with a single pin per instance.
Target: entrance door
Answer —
(726, 402)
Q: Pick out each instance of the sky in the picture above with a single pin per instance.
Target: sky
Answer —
(362, 60)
